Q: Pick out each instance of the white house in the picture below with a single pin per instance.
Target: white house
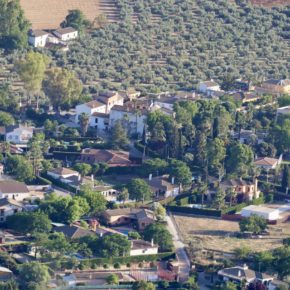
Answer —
(165, 102)
(69, 280)
(269, 214)
(100, 121)
(107, 191)
(132, 119)
(12, 189)
(19, 134)
(91, 109)
(140, 247)
(239, 274)
(283, 110)
(268, 163)
(163, 186)
(110, 99)
(278, 284)
(66, 34)
(37, 38)
(66, 175)
(5, 274)
(208, 87)
(99, 109)
(8, 207)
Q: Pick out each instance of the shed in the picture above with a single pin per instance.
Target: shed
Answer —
(269, 214)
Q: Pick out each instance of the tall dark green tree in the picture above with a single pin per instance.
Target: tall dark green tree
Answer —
(286, 177)
(201, 152)
(180, 172)
(84, 121)
(216, 154)
(77, 20)
(34, 275)
(160, 236)
(119, 138)
(13, 25)
(240, 159)
(62, 87)
(139, 190)
(29, 222)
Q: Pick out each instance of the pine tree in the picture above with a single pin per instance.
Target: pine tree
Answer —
(119, 139)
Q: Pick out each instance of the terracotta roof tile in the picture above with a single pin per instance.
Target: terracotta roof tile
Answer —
(12, 186)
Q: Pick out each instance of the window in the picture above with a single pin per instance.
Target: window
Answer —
(2, 212)
(96, 121)
(15, 210)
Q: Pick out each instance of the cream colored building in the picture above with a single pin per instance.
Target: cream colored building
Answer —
(140, 247)
(276, 86)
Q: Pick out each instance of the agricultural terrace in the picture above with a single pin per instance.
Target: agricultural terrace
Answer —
(270, 3)
(167, 45)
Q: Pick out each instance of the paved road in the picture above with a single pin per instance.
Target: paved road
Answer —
(184, 263)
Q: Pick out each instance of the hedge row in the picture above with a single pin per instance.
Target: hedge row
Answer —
(88, 263)
(43, 181)
(124, 170)
(195, 211)
(234, 209)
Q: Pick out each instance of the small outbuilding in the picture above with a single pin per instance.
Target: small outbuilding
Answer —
(269, 214)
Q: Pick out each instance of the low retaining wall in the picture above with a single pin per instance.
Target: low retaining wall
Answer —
(232, 217)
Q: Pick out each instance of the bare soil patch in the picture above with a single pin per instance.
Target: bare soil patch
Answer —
(48, 14)
(220, 235)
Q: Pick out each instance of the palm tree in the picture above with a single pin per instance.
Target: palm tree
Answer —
(232, 194)
(84, 120)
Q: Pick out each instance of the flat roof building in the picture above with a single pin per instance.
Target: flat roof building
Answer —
(269, 214)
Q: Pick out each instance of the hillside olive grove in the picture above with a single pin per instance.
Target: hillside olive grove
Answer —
(173, 44)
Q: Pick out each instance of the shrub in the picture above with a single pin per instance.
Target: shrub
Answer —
(94, 266)
(117, 266)
(269, 198)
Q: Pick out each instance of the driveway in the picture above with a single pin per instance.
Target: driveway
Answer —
(181, 255)
(202, 281)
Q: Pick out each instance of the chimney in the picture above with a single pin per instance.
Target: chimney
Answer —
(152, 243)
(245, 267)
(239, 273)
(150, 177)
(79, 177)
(172, 180)
(256, 193)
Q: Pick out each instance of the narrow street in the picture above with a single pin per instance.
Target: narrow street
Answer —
(181, 255)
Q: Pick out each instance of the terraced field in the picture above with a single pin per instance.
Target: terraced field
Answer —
(48, 14)
(270, 3)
